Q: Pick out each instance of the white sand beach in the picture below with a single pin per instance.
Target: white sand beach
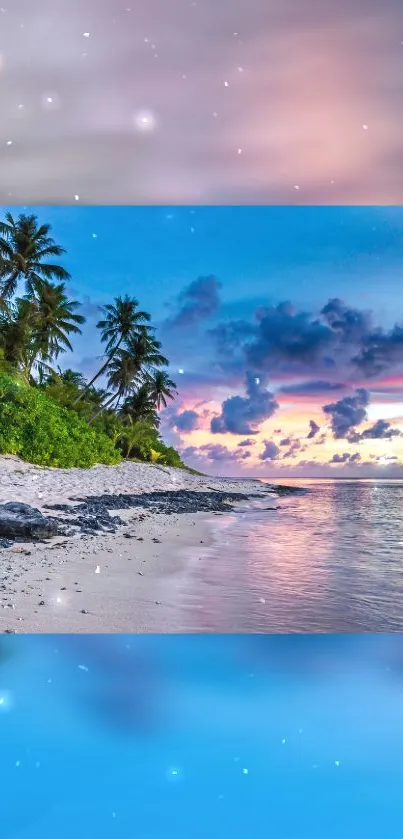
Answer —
(109, 582)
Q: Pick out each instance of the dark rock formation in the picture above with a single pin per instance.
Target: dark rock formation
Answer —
(24, 524)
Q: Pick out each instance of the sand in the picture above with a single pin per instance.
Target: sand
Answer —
(125, 582)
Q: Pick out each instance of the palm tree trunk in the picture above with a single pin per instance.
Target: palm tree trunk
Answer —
(97, 375)
(103, 408)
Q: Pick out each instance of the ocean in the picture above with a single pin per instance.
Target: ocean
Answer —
(204, 736)
(328, 559)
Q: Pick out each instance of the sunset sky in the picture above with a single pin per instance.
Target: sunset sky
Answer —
(283, 325)
(199, 101)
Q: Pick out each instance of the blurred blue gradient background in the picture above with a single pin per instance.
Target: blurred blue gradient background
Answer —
(201, 737)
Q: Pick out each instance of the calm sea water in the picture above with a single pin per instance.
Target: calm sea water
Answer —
(327, 560)
(206, 736)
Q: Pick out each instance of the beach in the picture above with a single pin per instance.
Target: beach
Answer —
(124, 580)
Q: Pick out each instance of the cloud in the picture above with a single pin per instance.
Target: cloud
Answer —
(380, 351)
(243, 415)
(199, 301)
(218, 452)
(313, 388)
(314, 429)
(286, 441)
(351, 325)
(381, 430)
(347, 412)
(189, 452)
(345, 458)
(326, 350)
(293, 449)
(185, 421)
(246, 442)
(270, 451)
(285, 335)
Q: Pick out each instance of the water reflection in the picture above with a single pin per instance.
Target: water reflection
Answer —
(326, 561)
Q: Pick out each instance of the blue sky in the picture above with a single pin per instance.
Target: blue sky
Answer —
(256, 259)
(300, 253)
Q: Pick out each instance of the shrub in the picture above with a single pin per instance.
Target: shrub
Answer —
(35, 427)
(142, 441)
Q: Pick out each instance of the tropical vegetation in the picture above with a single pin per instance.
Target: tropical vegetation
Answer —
(51, 414)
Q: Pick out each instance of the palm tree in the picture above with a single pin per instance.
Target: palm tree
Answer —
(17, 328)
(35, 331)
(72, 378)
(55, 320)
(162, 388)
(139, 406)
(24, 249)
(123, 321)
(131, 364)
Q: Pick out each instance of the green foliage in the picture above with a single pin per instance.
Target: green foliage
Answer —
(141, 441)
(168, 455)
(58, 418)
(36, 428)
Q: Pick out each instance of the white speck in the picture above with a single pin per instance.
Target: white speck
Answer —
(144, 121)
(365, 127)
(97, 570)
(86, 34)
(239, 151)
(18, 763)
(283, 741)
(262, 600)
(20, 107)
(337, 763)
(174, 772)
(240, 69)
(296, 186)
(226, 84)
(76, 197)
(9, 142)
(245, 771)
(58, 599)
(83, 667)
(181, 371)
(192, 230)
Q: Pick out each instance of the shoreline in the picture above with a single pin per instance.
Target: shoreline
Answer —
(126, 581)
